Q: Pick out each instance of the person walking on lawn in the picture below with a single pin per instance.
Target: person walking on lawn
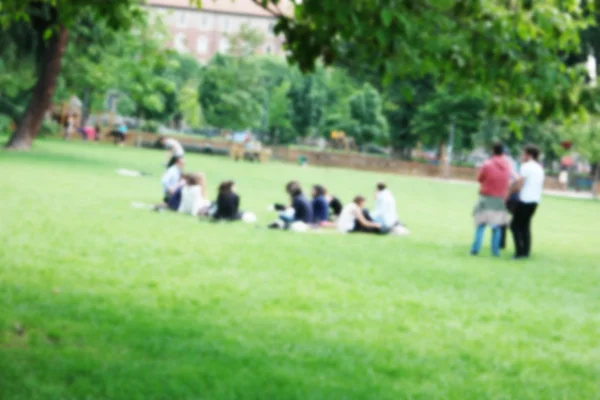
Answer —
(494, 177)
(530, 186)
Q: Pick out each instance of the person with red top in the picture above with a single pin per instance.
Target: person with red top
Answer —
(494, 178)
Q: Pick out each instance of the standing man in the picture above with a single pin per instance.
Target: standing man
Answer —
(530, 186)
(493, 177)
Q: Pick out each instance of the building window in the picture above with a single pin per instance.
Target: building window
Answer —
(268, 49)
(271, 28)
(181, 19)
(224, 24)
(202, 45)
(204, 21)
(224, 45)
(180, 43)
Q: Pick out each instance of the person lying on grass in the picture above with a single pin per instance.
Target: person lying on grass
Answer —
(299, 212)
(355, 218)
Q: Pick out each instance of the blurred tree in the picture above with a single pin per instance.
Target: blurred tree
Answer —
(245, 42)
(512, 50)
(307, 101)
(46, 24)
(226, 94)
(447, 111)
(367, 123)
(585, 137)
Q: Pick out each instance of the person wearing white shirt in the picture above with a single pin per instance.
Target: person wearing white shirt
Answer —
(171, 179)
(193, 195)
(175, 149)
(530, 186)
(385, 212)
(352, 219)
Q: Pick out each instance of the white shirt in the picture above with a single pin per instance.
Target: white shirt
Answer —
(533, 185)
(171, 178)
(192, 200)
(385, 208)
(174, 146)
(347, 219)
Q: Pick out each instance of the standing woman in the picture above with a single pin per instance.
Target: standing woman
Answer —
(490, 209)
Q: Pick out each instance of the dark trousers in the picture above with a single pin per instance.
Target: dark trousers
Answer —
(511, 205)
(521, 228)
(363, 229)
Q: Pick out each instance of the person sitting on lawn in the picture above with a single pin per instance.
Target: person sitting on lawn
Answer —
(299, 213)
(175, 149)
(193, 195)
(228, 203)
(335, 205)
(355, 218)
(385, 212)
(171, 183)
(320, 207)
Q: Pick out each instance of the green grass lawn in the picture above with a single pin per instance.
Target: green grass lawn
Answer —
(99, 300)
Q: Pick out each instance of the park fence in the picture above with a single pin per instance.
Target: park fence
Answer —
(332, 159)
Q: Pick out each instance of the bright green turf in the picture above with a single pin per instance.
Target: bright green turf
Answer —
(122, 303)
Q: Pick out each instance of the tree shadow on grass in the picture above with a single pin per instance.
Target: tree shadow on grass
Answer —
(83, 349)
(81, 345)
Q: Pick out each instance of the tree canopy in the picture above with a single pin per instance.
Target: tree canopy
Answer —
(385, 71)
(514, 49)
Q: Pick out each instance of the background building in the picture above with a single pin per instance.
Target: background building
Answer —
(205, 32)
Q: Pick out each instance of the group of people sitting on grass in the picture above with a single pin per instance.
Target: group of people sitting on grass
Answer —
(504, 191)
(326, 211)
(186, 193)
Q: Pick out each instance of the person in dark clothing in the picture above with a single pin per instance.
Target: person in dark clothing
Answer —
(228, 203)
(300, 209)
(320, 206)
(530, 186)
(335, 205)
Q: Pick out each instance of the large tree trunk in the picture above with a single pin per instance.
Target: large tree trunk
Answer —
(42, 94)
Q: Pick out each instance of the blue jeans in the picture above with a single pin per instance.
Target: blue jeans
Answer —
(496, 239)
(287, 220)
